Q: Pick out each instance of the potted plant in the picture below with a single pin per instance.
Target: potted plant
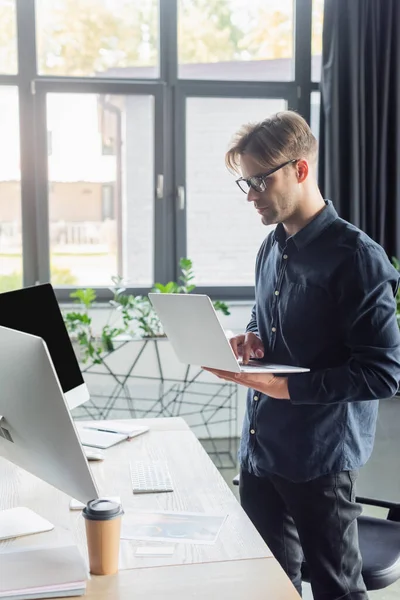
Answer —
(131, 316)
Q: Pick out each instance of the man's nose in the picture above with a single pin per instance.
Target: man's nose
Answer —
(252, 195)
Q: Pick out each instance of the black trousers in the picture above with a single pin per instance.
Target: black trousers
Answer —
(315, 521)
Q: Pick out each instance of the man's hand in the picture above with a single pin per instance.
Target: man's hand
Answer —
(246, 346)
(266, 383)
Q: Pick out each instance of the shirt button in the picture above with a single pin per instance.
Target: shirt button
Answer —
(273, 329)
(255, 398)
(276, 293)
(285, 256)
(252, 431)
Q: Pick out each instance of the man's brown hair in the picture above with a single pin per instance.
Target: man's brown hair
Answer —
(280, 137)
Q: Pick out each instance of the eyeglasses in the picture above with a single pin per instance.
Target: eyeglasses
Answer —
(257, 182)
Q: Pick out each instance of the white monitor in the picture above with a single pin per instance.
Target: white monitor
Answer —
(35, 310)
(37, 432)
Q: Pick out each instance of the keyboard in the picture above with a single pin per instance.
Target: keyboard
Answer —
(150, 477)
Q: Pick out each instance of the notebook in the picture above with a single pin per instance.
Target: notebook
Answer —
(129, 430)
(42, 572)
(15, 522)
(99, 439)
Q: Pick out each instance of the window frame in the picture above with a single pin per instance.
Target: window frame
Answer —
(170, 95)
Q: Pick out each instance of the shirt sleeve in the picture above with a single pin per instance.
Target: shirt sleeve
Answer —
(252, 324)
(366, 301)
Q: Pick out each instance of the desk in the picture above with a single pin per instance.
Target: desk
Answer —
(239, 561)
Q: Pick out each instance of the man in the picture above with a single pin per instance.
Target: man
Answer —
(325, 299)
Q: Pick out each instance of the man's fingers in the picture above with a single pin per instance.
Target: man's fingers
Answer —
(253, 379)
(228, 375)
(251, 351)
(250, 380)
(234, 345)
(246, 353)
(236, 342)
(219, 372)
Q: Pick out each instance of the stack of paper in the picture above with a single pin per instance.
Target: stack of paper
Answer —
(42, 572)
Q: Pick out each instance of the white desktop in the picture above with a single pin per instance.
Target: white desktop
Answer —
(35, 310)
(37, 431)
(41, 382)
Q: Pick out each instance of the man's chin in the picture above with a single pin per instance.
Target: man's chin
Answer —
(268, 220)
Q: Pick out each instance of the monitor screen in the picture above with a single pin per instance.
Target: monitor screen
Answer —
(35, 310)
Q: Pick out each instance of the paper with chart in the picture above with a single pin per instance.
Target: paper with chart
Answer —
(164, 526)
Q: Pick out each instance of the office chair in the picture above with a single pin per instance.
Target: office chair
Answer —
(379, 545)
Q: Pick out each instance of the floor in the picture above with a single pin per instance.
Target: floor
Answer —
(379, 478)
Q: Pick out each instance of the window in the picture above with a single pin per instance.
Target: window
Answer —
(100, 206)
(236, 40)
(8, 37)
(107, 38)
(127, 108)
(10, 192)
(315, 112)
(214, 202)
(316, 40)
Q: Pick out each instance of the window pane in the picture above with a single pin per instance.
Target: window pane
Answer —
(236, 39)
(111, 38)
(315, 112)
(315, 109)
(8, 37)
(101, 188)
(10, 192)
(214, 202)
(316, 42)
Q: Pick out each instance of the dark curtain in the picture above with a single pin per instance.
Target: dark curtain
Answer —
(359, 159)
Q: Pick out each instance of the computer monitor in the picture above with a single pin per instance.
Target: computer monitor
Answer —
(35, 310)
(37, 432)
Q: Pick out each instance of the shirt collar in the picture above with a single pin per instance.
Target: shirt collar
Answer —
(311, 231)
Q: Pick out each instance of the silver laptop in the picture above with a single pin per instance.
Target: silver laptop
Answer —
(197, 337)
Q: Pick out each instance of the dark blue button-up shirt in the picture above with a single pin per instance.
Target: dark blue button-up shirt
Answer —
(325, 299)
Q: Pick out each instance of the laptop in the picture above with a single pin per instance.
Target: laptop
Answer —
(197, 337)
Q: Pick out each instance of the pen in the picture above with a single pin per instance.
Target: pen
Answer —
(107, 430)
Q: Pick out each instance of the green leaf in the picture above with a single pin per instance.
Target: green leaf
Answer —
(86, 296)
(169, 288)
(78, 317)
(185, 264)
(222, 306)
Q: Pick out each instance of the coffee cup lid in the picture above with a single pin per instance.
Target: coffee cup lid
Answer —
(102, 510)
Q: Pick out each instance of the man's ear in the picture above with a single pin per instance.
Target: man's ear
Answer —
(303, 168)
